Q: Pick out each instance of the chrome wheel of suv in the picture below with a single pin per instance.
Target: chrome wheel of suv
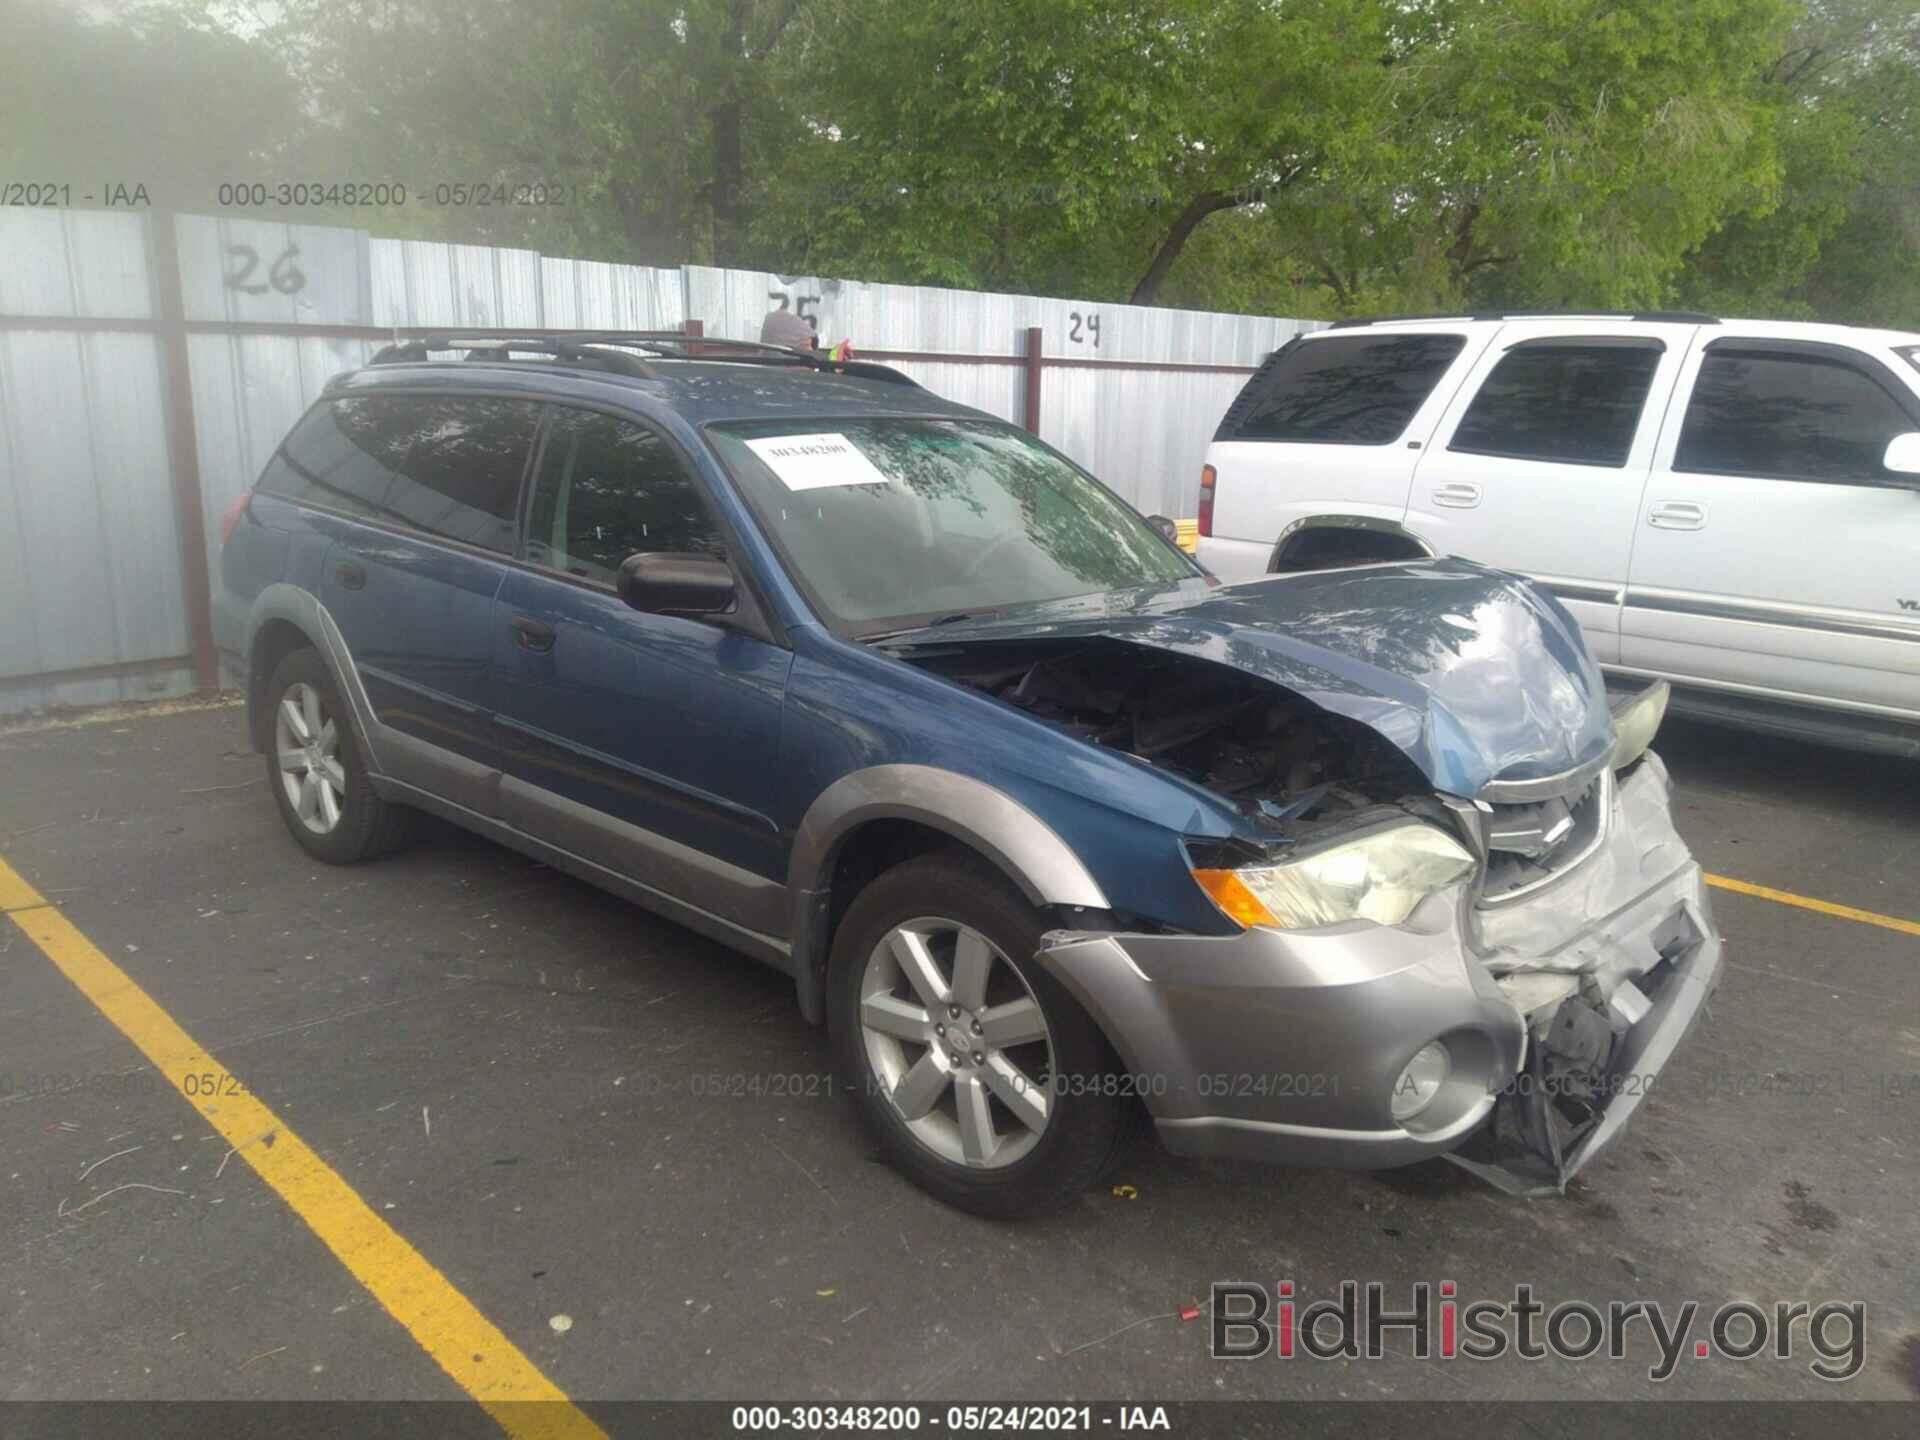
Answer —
(306, 743)
(957, 1041)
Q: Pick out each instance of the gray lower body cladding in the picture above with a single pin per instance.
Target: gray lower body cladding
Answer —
(1558, 1013)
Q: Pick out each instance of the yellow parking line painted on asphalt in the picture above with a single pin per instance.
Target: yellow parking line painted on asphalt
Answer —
(1824, 907)
(464, 1343)
(15, 893)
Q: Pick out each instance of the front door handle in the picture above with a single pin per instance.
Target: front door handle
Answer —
(532, 634)
(1459, 494)
(1677, 515)
(351, 574)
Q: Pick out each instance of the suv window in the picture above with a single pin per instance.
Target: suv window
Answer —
(608, 489)
(1570, 401)
(1355, 390)
(1788, 417)
(445, 466)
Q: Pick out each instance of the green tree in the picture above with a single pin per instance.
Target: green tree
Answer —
(1418, 151)
(651, 116)
(1840, 239)
(1560, 153)
(154, 96)
(1313, 157)
(1077, 146)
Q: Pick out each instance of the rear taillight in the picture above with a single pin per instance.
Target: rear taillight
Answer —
(230, 517)
(1208, 475)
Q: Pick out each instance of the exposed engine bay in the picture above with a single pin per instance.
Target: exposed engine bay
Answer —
(1275, 756)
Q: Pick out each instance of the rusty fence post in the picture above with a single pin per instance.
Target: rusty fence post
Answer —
(1033, 380)
(183, 445)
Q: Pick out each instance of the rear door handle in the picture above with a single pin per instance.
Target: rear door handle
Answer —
(1460, 494)
(532, 634)
(1677, 515)
(351, 574)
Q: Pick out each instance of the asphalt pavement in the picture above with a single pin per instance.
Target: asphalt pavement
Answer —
(620, 1143)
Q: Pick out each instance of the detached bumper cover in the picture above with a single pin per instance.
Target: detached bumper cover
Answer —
(1285, 1046)
(1572, 1098)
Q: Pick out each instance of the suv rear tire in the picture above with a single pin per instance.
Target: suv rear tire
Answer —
(316, 770)
(979, 1075)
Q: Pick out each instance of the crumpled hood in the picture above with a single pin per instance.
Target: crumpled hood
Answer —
(1476, 674)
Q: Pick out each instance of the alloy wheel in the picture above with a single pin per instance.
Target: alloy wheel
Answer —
(306, 741)
(958, 1042)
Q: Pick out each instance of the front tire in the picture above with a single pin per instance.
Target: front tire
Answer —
(979, 1075)
(316, 771)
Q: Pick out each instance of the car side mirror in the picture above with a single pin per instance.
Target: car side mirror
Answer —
(1172, 531)
(1903, 460)
(663, 582)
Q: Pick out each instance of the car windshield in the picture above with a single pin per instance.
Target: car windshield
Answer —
(891, 523)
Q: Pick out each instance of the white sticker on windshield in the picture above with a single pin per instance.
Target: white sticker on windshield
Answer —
(813, 462)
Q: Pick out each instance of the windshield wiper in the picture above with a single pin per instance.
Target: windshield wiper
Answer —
(953, 618)
(957, 616)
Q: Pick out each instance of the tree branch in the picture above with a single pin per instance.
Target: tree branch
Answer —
(1462, 247)
(1342, 296)
(1184, 224)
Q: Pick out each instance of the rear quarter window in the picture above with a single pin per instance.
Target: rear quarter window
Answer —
(445, 466)
(1349, 390)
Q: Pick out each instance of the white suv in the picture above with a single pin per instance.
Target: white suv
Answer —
(1732, 505)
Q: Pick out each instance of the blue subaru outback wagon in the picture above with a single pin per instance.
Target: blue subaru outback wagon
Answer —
(1349, 867)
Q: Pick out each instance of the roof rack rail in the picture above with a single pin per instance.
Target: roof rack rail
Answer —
(498, 348)
(613, 350)
(1676, 317)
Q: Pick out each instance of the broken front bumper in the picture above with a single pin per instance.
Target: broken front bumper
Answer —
(1558, 1013)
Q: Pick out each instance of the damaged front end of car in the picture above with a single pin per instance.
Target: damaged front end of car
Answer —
(1466, 924)
(1608, 970)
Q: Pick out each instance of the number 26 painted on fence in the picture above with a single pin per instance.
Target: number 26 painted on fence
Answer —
(284, 275)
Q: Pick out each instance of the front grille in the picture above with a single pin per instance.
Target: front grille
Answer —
(1529, 845)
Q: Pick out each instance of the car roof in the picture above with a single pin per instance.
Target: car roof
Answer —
(1859, 336)
(699, 391)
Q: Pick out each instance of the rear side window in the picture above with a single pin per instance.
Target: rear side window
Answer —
(1576, 402)
(449, 467)
(1788, 417)
(608, 489)
(1354, 390)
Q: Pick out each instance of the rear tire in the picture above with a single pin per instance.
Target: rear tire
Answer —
(982, 1079)
(317, 772)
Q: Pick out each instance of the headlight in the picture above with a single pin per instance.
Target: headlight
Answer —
(1379, 876)
(1636, 720)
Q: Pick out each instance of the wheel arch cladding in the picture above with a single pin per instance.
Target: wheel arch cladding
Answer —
(918, 808)
(289, 617)
(272, 642)
(1350, 535)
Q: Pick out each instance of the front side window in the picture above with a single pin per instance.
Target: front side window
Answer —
(1574, 402)
(1353, 390)
(1788, 417)
(448, 467)
(889, 522)
(607, 489)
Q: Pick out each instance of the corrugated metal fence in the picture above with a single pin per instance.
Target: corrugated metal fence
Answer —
(133, 411)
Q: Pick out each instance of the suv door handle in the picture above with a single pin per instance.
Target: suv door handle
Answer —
(351, 574)
(1677, 515)
(531, 634)
(1460, 494)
